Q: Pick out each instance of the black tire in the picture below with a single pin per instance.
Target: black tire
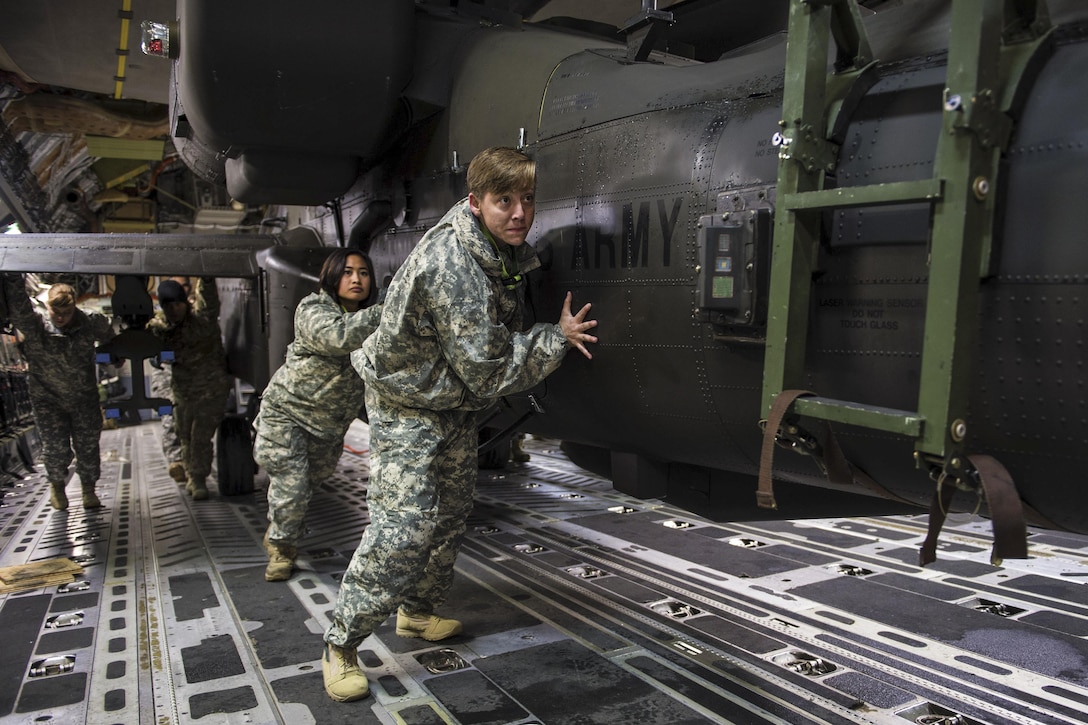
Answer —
(234, 456)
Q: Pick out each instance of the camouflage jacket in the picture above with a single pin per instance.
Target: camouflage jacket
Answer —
(200, 361)
(448, 334)
(60, 360)
(316, 386)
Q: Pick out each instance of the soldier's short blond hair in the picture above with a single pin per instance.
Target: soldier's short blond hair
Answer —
(499, 170)
(61, 295)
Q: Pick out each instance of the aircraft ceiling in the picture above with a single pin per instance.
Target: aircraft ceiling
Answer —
(74, 43)
(73, 68)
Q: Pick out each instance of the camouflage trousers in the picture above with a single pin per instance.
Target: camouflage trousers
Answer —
(423, 468)
(196, 416)
(160, 388)
(297, 462)
(67, 429)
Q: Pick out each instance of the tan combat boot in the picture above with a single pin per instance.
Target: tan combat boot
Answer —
(281, 560)
(430, 627)
(344, 681)
(90, 500)
(177, 472)
(517, 454)
(197, 489)
(57, 498)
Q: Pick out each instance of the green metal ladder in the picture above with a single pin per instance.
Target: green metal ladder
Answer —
(992, 45)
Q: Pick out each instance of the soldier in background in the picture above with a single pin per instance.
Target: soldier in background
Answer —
(160, 387)
(60, 353)
(312, 399)
(199, 377)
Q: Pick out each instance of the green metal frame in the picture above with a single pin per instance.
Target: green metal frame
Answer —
(984, 77)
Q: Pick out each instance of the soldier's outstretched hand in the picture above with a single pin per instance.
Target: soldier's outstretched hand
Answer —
(575, 326)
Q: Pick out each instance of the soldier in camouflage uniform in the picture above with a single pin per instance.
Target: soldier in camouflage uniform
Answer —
(160, 387)
(63, 384)
(312, 399)
(199, 377)
(446, 347)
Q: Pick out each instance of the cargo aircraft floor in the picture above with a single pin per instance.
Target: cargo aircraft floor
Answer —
(580, 605)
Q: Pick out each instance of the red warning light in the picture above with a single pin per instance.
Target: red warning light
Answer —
(156, 39)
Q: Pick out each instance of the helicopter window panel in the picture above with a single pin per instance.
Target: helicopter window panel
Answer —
(718, 246)
(723, 288)
(732, 274)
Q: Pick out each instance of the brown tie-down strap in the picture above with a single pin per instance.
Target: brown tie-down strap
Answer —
(839, 470)
(938, 509)
(782, 403)
(1006, 513)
